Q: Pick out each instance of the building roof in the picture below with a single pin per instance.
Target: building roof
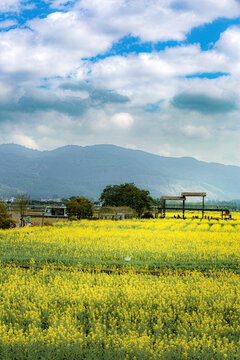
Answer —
(194, 194)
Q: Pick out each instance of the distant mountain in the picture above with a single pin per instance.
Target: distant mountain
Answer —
(77, 170)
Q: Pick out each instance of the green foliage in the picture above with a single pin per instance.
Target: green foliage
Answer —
(126, 195)
(64, 200)
(80, 208)
(6, 221)
(157, 202)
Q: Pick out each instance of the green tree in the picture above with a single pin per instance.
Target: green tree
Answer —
(79, 207)
(157, 202)
(126, 195)
(6, 221)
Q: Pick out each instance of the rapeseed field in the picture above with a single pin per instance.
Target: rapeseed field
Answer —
(151, 244)
(177, 298)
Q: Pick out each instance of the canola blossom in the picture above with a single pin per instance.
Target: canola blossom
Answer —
(55, 308)
(60, 315)
(151, 244)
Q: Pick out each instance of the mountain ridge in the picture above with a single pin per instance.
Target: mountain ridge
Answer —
(86, 170)
(109, 145)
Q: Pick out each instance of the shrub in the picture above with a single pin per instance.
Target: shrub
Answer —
(73, 218)
(6, 221)
(80, 208)
(147, 215)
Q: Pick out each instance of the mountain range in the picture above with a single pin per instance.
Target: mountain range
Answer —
(76, 170)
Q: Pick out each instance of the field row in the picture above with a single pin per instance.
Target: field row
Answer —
(60, 315)
(150, 244)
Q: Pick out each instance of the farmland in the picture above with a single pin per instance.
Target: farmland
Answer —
(66, 291)
(155, 244)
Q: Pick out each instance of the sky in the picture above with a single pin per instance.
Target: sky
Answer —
(160, 76)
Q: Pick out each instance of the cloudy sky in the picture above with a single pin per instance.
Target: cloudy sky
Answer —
(157, 75)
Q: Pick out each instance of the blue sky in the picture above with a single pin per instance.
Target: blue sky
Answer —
(160, 76)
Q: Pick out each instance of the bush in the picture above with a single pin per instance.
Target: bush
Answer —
(73, 218)
(147, 215)
(6, 221)
(47, 223)
(79, 208)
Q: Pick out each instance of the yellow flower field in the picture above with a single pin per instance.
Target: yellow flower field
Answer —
(151, 244)
(55, 308)
(61, 315)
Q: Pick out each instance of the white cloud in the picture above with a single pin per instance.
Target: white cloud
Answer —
(71, 32)
(212, 8)
(53, 46)
(57, 45)
(5, 92)
(7, 23)
(150, 77)
(25, 141)
(229, 44)
(196, 131)
(154, 20)
(45, 130)
(122, 120)
(10, 5)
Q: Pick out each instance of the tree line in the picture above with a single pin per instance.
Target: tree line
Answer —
(79, 207)
(113, 195)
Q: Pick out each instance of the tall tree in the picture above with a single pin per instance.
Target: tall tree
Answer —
(80, 207)
(126, 195)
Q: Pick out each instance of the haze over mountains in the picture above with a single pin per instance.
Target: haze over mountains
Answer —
(75, 170)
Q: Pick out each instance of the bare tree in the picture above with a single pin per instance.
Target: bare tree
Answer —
(22, 204)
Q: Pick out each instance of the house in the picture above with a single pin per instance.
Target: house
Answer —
(55, 211)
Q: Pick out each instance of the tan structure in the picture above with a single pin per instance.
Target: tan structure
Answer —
(183, 199)
(172, 198)
(194, 194)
